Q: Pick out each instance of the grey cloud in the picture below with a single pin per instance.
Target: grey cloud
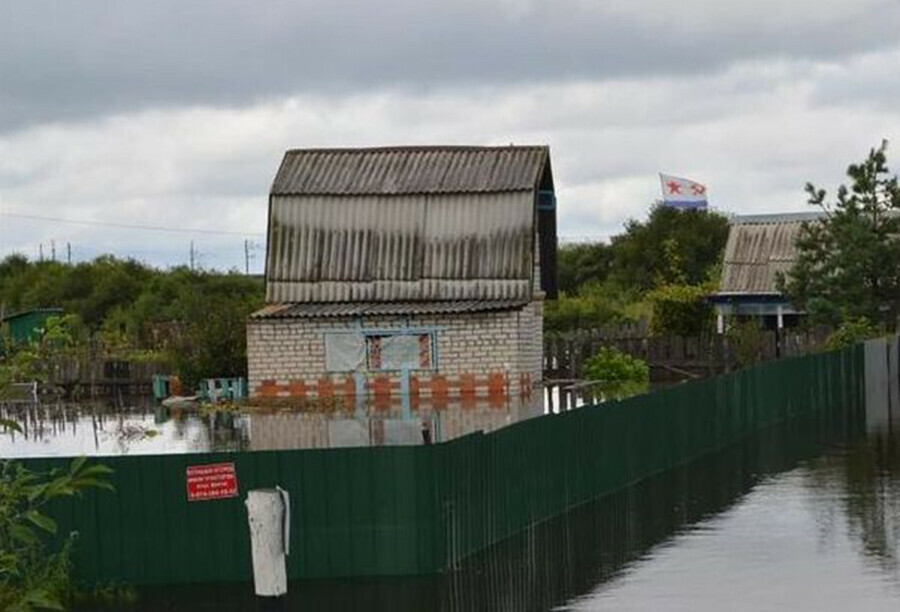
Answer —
(65, 60)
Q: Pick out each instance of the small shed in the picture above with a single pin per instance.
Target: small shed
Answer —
(25, 326)
(759, 247)
(406, 271)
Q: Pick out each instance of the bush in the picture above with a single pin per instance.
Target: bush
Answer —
(32, 575)
(746, 341)
(576, 312)
(680, 310)
(849, 333)
(618, 374)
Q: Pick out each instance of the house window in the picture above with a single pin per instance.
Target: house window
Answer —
(400, 351)
(357, 352)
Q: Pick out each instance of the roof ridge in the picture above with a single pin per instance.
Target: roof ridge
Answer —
(395, 148)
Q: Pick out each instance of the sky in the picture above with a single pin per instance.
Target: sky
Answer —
(173, 114)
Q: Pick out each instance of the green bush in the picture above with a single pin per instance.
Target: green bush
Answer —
(576, 312)
(849, 333)
(680, 310)
(746, 341)
(618, 374)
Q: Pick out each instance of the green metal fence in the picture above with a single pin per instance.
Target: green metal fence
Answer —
(421, 509)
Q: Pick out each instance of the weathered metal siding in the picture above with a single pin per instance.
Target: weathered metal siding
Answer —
(410, 170)
(755, 253)
(408, 247)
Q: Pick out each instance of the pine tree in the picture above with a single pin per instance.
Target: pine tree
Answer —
(848, 264)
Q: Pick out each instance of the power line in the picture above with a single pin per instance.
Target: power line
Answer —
(152, 228)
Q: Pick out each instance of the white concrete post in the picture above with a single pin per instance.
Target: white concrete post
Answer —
(720, 323)
(780, 317)
(269, 515)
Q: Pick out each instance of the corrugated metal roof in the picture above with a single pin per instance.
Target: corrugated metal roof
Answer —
(403, 247)
(759, 247)
(312, 310)
(410, 170)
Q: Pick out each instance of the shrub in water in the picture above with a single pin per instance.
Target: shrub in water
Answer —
(617, 374)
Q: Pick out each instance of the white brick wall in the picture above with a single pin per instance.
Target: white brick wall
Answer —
(507, 342)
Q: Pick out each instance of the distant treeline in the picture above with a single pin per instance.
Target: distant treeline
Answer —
(194, 319)
(659, 268)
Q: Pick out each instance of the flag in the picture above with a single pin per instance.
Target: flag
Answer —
(682, 192)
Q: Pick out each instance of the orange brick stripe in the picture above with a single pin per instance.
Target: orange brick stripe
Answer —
(495, 386)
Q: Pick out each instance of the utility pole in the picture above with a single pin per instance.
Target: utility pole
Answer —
(69, 253)
(246, 257)
(53, 250)
(192, 255)
(41, 251)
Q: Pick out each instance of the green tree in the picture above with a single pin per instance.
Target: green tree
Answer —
(213, 342)
(680, 310)
(672, 246)
(848, 263)
(579, 264)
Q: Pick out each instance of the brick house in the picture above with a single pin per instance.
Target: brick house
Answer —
(415, 272)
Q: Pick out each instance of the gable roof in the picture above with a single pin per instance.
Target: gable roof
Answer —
(758, 248)
(410, 170)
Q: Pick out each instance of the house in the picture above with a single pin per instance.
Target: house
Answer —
(759, 247)
(27, 325)
(416, 272)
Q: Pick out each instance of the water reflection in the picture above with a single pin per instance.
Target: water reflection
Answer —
(143, 427)
(98, 429)
(861, 486)
(823, 536)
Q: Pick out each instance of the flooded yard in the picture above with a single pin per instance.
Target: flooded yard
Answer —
(143, 427)
(803, 516)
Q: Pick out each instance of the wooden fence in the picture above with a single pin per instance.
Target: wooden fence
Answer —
(673, 357)
(91, 375)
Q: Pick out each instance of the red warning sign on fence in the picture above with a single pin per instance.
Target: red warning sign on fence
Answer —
(214, 481)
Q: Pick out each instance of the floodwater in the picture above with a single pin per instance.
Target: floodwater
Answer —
(803, 516)
(142, 427)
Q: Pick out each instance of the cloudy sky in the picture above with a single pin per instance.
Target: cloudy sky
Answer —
(175, 114)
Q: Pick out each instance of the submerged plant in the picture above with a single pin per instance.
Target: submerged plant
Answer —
(34, 575)
(617, 374)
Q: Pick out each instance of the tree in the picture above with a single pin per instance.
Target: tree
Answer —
(680, 310)
(579, 264)
(848, 263)
(672, 246)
